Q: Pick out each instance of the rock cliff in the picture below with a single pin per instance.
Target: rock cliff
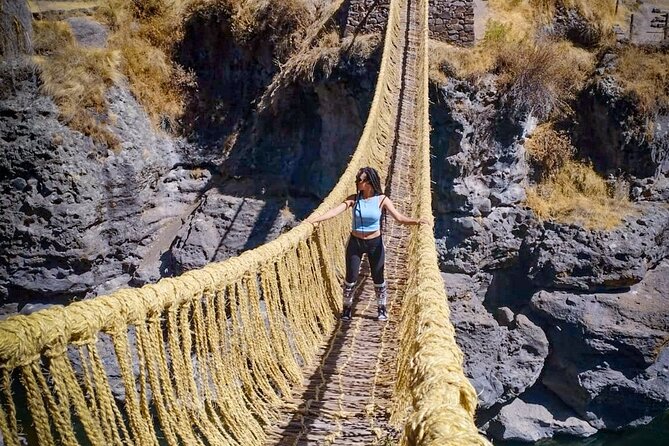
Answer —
(558, 323)
(79, 220)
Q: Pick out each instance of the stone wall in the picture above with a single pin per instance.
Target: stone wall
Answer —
(450, 20)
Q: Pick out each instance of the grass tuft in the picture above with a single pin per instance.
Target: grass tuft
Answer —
(282, 21)
(536, 74)
(644, 75)
(570, 191)
(534, 78)
(50, 36)
(145, 33)
(548, 149)
(576, 194)
(325, 54)
(543, 78)
(77, 78)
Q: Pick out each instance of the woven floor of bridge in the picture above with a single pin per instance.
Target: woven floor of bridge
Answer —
(345, 398)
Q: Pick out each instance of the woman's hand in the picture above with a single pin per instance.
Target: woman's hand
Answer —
(313, 220)
(424, 221)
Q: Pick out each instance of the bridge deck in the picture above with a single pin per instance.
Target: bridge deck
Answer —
(345, 398)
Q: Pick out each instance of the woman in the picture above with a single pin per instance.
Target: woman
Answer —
(368, 207)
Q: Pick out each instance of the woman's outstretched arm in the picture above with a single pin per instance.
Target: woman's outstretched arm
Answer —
(390, 207)
(341, 207)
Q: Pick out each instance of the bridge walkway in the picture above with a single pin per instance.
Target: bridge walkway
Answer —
(346, 397)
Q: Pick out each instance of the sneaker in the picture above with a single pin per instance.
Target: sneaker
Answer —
(383, 313)
(346, 315)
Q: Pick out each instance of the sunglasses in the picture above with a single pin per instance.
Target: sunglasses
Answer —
(360, 180)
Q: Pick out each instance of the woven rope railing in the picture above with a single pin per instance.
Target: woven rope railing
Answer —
(205, 358)
(211, 356)
(434, 399)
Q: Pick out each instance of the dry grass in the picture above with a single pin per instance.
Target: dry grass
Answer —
(321, 58)
(538, 78)
(518, 17)
(570, 191)
(145, 32)
(328, 53)
(154, 79)
(42, 6)
(542, 79)
(50, 36)
(644, 75)
(576, 194)
(77, 78)
(463, 63)
(548, 149)
(472, 63)
(282, 22)
(535, 75)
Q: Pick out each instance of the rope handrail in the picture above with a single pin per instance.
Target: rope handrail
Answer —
(433, 396)
(210, 356)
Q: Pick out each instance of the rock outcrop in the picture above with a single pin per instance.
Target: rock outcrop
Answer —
(615, 135)
(610, 347)
(558, 323)
(79, 220)
(510, 349)
(15, 29)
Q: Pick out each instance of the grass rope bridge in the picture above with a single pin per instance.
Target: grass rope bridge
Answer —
(219, 355)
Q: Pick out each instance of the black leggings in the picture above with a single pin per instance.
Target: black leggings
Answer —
(376, 254)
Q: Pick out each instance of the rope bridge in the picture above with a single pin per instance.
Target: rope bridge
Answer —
(218, 355)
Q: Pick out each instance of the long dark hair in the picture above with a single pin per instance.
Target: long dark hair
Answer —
(374, 179)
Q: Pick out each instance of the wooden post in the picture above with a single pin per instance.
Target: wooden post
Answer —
(631, 26)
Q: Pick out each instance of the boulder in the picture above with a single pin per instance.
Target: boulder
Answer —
(15, 29)
(574, 258)
(501, 360)
(610, 347)
(535, 416)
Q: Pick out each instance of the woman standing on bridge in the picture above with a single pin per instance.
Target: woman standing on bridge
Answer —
(368, 206)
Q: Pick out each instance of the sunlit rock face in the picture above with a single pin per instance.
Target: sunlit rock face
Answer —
(559, 324)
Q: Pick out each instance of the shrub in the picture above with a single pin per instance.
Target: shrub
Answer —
(155, 80)
(542, 79)
(145, 32)
(568, 190)
(284, 22)
(535, 76)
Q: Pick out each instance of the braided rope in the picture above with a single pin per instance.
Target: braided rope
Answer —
(431, 387)
(210, 357)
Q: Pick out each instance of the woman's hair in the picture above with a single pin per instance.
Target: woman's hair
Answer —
(373, 177)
